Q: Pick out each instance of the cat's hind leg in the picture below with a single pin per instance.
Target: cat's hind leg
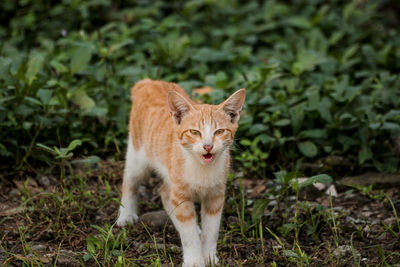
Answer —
(136, 169)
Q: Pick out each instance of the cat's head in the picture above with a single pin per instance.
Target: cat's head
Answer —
(206, 131)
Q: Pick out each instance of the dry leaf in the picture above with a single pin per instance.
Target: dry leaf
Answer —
(202, 90)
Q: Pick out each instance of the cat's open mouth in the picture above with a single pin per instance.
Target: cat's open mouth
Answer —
(208, 157)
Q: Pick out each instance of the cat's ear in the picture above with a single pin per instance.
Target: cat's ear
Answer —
(233, 105)
(178, 105)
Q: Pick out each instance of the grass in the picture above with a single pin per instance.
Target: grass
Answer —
(72, 223)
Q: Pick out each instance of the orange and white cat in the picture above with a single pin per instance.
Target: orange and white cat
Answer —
(187, 144)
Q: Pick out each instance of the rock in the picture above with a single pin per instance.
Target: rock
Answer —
(390, 221)
(155, 219)
(36, 247)
(14, 192)
(372, 178)
(44, 181)
(345, 251)
(350, 219)
(67, 258)
(367, 214)
(331, 191)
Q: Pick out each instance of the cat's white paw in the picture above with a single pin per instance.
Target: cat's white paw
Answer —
(125, 219)
(191, 263)
(211, 259)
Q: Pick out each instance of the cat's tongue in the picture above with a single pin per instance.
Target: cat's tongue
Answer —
(208, 157)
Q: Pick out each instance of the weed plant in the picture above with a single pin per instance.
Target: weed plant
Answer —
(322, 78)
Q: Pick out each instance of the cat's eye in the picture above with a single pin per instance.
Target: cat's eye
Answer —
(195, 132)
(219, 132)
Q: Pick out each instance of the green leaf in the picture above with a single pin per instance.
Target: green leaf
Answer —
(33, 100)
(308, 149)
(258, 209)
(81, 99)
(35, 64)
(282, 122)
(80, 58)
(44, 95)
(265, 139)
(306, 61)
(391, 126)
(257, 128)
(245, 142)
(314, 133)
(313, 98)
(365, 154)
(300, 22)
(320, 178)
(290, 253)
(324, 109)
(46, 148)
(74, 144)
(88, 160)
(297, 117)
(5, 64)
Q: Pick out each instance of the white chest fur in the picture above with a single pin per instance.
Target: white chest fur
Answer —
(205, 177)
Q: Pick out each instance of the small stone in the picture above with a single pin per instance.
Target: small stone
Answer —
(272, 203)
(44, 181)
(67, 258)
(319, 186)
(14, 192)
(331, 191)
(350, 219)
(155, 218)
(36, 246)
(390, 221)
(367, 213)
(345, 251)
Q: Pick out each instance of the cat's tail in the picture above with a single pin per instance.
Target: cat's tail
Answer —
(139, 84)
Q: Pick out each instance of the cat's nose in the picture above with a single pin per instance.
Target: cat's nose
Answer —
(208, 147)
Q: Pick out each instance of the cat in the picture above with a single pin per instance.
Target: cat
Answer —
(188, 145)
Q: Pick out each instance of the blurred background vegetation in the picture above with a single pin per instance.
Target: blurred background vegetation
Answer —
(322, 76)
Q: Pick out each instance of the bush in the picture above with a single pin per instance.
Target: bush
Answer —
(322, 78)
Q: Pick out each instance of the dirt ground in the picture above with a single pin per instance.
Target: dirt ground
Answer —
(46, 222)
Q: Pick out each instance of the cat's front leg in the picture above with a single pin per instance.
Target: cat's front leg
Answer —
(211, 210)
(183, 215)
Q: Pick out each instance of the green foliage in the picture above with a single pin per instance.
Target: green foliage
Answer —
(62, 154)
(322, 78)
(106, 245)
(285, 183)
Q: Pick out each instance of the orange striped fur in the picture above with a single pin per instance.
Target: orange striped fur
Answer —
(188, 145)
